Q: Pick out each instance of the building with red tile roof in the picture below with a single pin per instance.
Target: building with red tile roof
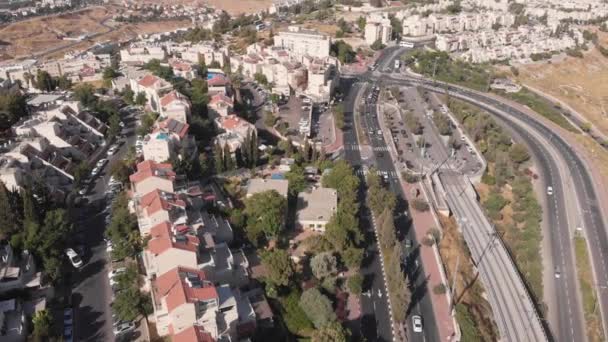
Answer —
(218, 84)
(220, 105)
(176, 106)
(183, 297)
(195, 333)
(158, 206)
(235, 131)
(151, 176)
(153, 86)
(168, 140)
(168, 247)
(182, 68)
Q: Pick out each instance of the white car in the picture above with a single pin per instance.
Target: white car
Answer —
(550, 190)
(95, 171)
(114, 273)
(417, 323)
(101, 162)
(74, 258)
(112, 150)
(123, 328)
(109, 246)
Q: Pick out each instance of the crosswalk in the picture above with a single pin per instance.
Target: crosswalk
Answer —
(357, 148)
(391, 174)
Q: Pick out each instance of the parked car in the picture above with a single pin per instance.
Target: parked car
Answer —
(75, 259)
(123, 328)
(67, 334)
(114, 273)
(112, 150)
(102, 162)
(95, 171)
(68, 317)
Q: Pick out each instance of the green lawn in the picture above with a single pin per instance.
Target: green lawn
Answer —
(541, 106)
(585, 277)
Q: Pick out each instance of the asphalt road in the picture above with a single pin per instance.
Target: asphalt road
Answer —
(91, 288)
(375, 321)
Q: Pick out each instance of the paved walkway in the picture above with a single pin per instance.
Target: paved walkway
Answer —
(422, 222)
(338, 141)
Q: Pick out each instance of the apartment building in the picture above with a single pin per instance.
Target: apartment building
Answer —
(378, 28)
(220, 105)
(209, 53)
(168, 140)
(300, 41)
(159, 206)
(234, 131)
(170, 246)
(417, 25)
(152, 176)
(184, 298)
(154, 87)
(315, 208)
(182, 68)
(141, 54)
(218, 84)
(175, 106)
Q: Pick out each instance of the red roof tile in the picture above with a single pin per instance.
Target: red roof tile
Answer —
(148, 81)
(149, 168)
(218, 81)
(217, 98)
(173, 286)
(157, 200)
(162, 239)
(173, 126)
(193, 334)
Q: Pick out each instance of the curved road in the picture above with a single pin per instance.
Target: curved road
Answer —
(570, 322)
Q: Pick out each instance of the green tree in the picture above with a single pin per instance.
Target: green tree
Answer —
(218, 158)
(297, 180)
(295, 318)
(361, 22)
(260, 78)
(162, 71)
(84, 93)
(519, 153)
(278, 265)
(81, 172)
(43, 324)
(352, 257)
(229, 161)
(265, 215)
(130, 303)
(44, 81)
(343, 51)
(13, 106)
(9, 214)
(377, 45)
(317, 307)
(108, 75)
(199, 97)
(141, 98)
(355, 284)
(121, 170)
(63, 82)
(114, 126)
(324, 265)
(332, 332)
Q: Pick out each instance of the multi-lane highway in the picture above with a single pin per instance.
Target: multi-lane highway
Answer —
(562, 169)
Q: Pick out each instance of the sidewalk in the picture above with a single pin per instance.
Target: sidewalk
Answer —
(422, 222)
(338, 140)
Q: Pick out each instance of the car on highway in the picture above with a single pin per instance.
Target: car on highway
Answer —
(123, 328)
(550, 190)
(75, 259)
(417, 323)
(557, 274)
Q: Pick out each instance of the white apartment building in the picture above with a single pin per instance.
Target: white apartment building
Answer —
(303, 42)
(234, 131)
(175, 106)
(141, 54)
(417, 25)
(154, 87)
(204, 52)
(378, 27)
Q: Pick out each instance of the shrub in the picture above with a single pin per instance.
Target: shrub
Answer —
(440, 289)
(420, 205)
